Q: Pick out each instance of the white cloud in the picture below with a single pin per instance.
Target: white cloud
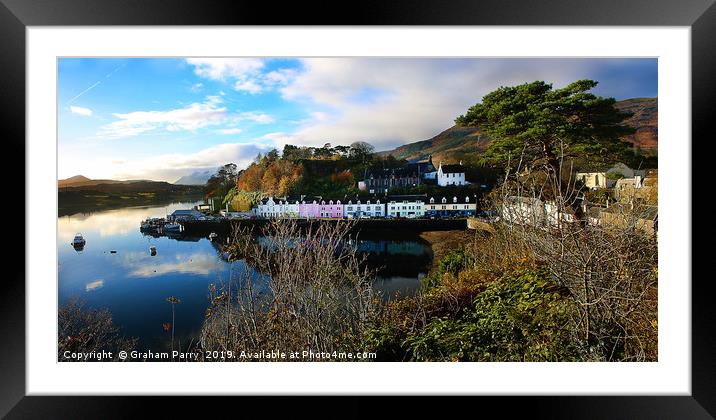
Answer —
(191, 117)
(280, 77)
(392, 101)
(171, 166)
(246, 74)
(230, 131)
(249, 86)
(257, 117)
(225, 68)
(85, 112)
(196, 87)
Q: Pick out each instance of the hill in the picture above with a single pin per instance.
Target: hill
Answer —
(81, 194)
(83, 181)
(468, 143)
(195, 178)
(646, 122)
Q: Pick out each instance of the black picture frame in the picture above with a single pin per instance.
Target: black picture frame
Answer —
(16, 15)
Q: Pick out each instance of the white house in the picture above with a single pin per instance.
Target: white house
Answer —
(607, 177)
(535, 212)
(288, 209)
(451, 175)
(454, 207)
(358, 209)
(277, 208)
(267, 208)
(406, 206)
(523, 211)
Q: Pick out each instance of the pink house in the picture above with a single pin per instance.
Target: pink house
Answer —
(331, 209)
(310, 210)
(323, 210)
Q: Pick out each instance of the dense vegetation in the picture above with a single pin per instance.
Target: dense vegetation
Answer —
(325, 171)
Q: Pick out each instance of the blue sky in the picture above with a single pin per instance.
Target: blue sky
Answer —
(162, 118)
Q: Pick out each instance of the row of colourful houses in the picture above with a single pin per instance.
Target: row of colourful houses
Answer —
(403, 206)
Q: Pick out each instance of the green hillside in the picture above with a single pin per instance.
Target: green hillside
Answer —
(468, 143)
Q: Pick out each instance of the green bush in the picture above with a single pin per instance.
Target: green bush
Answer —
(519, 317)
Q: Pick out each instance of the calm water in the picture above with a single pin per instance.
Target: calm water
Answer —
(134, 285)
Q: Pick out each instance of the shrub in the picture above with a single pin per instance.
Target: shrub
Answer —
(82, 330)
(519, 317)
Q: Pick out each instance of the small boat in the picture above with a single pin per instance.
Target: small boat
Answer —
(150, 224)
(213, 236)
(78, 241)
(153, 250)
(172, 227)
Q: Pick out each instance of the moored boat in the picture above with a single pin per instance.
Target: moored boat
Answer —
(79, 240)
(172, 227)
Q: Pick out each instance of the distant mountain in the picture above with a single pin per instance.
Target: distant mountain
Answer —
(79, 193)
(196, 178)
(468, 143)
(645, 120)
(77, 179)
(83, 181)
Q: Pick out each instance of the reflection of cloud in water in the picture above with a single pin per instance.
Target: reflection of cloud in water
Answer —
(140, 265)
(112, 222)
(94, 285)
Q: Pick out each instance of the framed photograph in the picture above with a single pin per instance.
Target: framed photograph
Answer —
(445, 202)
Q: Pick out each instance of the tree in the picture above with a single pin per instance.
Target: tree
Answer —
(222, 181)
(271, 157)
(343, 151)
(542, 126)
(361, 151)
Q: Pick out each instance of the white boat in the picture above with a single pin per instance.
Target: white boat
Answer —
(78, 240)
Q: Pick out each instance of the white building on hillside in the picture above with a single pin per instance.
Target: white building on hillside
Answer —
(451, 175)
(608, 177)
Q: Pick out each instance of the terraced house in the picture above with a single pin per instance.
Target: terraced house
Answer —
(323, 209)
(408, 206)
(359, 210)
(454, 207)
(278, 208)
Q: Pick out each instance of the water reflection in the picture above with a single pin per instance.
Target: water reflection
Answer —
(116, 269)
(93, 285)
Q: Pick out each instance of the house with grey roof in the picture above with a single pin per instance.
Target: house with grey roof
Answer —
(451, 175)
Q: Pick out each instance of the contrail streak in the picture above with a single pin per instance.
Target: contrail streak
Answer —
(83, 92)
(95, 85)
